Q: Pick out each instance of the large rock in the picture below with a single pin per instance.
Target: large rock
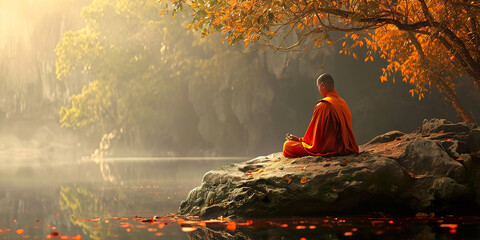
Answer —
(430, 169)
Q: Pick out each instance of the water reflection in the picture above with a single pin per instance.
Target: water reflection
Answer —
(73, 201)
(45, 199)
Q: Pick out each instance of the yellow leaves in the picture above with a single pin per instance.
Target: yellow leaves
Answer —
(198, 24)
(162, 12)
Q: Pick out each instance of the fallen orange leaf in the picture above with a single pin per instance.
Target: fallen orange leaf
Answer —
(77, 237)
(211, 201)
(232, 226)
(19, 231)
(304, 180)
(288, 179)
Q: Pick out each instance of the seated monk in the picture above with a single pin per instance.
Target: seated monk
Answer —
(330, 131)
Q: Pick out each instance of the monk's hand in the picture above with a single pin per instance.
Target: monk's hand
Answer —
(292, 137)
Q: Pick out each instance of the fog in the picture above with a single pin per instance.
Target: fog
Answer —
(168, 92)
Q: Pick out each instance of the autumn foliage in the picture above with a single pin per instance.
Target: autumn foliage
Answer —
(429, 42)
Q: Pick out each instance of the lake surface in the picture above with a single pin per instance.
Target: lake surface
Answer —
(134, 198)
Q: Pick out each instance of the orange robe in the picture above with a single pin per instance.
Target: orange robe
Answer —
(329, 133)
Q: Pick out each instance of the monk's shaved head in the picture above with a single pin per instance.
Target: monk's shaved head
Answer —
(327, 80)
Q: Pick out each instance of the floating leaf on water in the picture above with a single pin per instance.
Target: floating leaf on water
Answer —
(19, 231)
(53, 235)
(449, 225)
(232, 226)
(77, 237)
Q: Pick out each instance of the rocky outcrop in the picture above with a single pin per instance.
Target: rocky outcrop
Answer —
(433, 168)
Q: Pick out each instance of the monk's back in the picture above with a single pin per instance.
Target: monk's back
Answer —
(330, 130)
(343, 140)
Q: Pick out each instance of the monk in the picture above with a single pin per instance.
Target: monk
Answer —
(330, 131)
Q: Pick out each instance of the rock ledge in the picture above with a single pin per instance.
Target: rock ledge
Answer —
(432, 169)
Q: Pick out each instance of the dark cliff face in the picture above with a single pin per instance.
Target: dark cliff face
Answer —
(431, 169)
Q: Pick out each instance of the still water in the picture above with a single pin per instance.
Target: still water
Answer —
(135, 199)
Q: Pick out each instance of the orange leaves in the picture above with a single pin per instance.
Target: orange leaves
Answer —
(288, 180)
(369, 58)
(19, 231)
(251, 20)
(354, 36)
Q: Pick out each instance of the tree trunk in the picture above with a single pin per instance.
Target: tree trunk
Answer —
(451, 97)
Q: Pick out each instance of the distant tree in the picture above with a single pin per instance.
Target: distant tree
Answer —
(430, 42)
(140, 72)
